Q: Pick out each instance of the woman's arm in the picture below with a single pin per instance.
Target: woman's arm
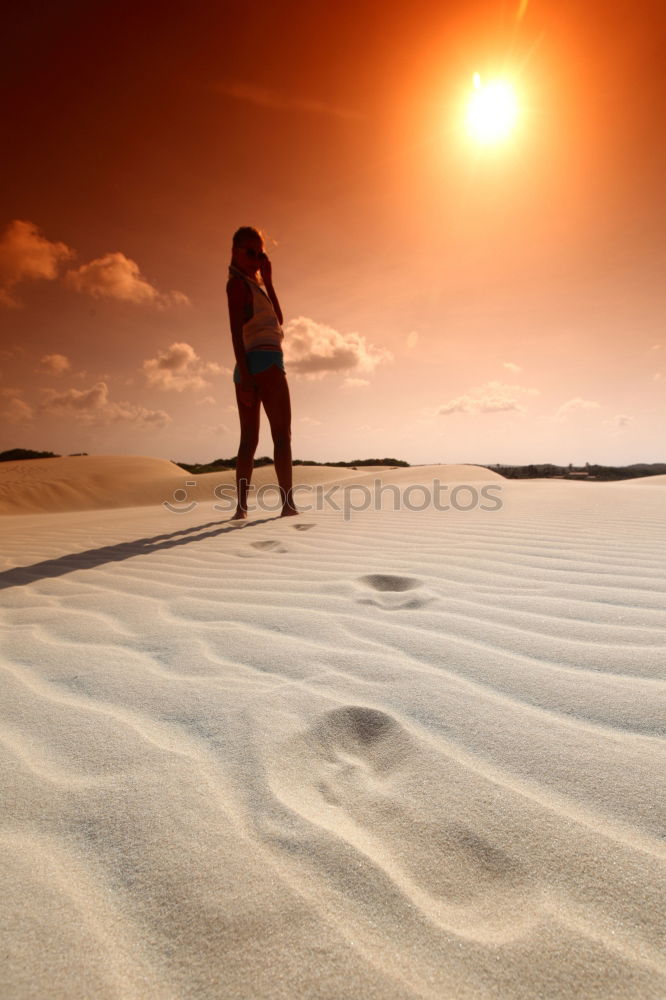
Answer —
(239, 298)
(267, 276)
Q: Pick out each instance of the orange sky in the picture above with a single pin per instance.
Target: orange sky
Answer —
(442, 303)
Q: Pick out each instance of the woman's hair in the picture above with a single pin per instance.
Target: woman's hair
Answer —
(245, 233)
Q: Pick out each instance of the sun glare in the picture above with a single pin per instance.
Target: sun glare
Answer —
(492, 110)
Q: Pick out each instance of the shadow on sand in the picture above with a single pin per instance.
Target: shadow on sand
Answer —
(90, 558)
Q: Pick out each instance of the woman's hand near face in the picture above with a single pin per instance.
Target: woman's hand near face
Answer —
(266, 269)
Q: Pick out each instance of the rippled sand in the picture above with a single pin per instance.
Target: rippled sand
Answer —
(408, 755)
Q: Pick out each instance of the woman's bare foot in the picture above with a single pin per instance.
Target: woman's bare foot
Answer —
(289, 510)
(240, 515)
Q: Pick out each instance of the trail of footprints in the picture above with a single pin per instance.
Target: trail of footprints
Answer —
(383, 590)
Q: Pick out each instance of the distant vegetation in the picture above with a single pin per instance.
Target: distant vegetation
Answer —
(224, 464)
(595, 473)
(218, 465)
(16, 454)
(587, 472)
(358, 461)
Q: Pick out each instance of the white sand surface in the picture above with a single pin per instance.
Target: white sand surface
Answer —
(398, 754)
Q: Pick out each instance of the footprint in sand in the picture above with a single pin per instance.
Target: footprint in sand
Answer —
(379, 581)
(355, 769)
(272, 544)
(385, 587)
(267, 545)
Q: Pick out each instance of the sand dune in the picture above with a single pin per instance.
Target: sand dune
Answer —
(402, 754)
(649, 480)
(86, 482)
(100, 482)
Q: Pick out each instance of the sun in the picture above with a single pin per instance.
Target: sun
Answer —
(492, 111)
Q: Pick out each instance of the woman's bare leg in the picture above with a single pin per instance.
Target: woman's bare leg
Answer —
(274, 394)
(249, 425)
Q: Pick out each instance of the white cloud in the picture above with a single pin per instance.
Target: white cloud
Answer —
(267, 98)
(206, 399)
(512, 366)
(93, 406)
(492, 397)
(309, 421)
(356, 383)
(17, 411)
(619, 420)
(314, 349)
(54, 364)
(179, 368)
(656, 347)
(174, 298)
(116, 276)
(27, 255)
(572, 405)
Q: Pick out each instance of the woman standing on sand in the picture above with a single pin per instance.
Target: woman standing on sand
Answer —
(256, 331)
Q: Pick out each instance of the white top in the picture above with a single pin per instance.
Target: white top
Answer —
(264, 327)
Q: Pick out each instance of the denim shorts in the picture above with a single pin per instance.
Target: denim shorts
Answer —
(260, 361)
